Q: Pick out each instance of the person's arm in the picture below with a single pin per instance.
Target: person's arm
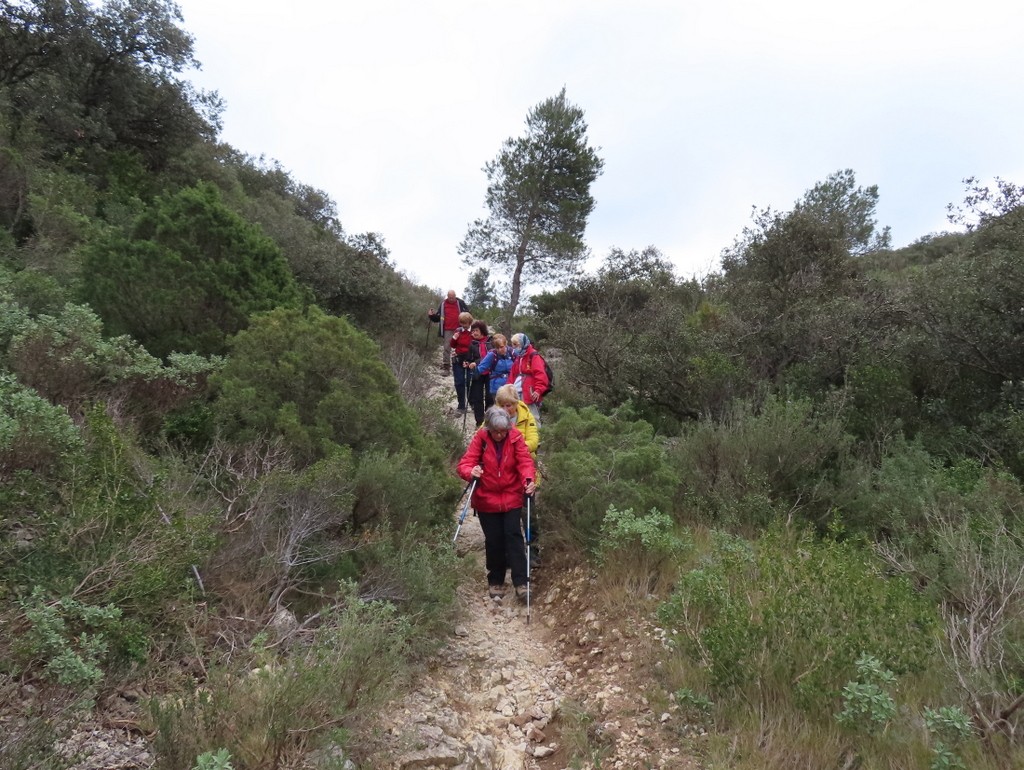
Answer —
(539, 384)
(471, 460)
(528, 427)
(524, 462)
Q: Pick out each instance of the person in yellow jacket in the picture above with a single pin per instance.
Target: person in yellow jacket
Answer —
(507, 398)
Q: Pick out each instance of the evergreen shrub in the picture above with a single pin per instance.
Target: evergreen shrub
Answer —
(596, 460)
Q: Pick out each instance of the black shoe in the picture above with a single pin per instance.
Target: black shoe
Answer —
(461, 410)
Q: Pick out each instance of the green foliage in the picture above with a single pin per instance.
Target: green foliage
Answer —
(113, 535)
(214, 760)
(191, 273)
(949, 727)
(868, 704)
(795, 615)
(316, 381)
(760, 464)
(595, 458)
(67, 638)
(66, 358)
(35, 435)
(624, 534)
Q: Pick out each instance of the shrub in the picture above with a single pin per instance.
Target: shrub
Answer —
(756, 464)
(70, 640)
(271, 708)
(315, 380)
(794, 614)
(189, 275)
(35, 435)
(640, 551)
(868, 704)
(595, 459)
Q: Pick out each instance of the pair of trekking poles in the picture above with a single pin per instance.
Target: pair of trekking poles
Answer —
(529, 535)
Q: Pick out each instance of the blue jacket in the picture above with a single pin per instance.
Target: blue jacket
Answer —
(497, 367)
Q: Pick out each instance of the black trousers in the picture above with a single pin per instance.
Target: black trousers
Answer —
(480, 397)
(503, 546)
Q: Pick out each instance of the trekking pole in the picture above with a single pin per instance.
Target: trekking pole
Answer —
(465, 509)
(528, 499)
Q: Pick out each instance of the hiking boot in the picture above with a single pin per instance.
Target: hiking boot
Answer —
(521, 593)
(461, 410)
(496, 592)
(446, 369)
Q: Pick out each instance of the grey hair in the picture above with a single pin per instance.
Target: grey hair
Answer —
(497, 418)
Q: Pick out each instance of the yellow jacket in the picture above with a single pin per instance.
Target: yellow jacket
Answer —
(528, 427)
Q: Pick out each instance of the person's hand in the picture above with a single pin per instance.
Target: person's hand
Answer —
(471, 365)
(477, 472)
(531, 486)
(534, 396)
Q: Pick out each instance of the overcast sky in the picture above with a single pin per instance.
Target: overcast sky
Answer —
(393, 107)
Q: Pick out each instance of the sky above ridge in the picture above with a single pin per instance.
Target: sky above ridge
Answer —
(702, 112)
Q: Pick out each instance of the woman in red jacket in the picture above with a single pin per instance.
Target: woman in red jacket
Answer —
(500, 461)
(528, 374)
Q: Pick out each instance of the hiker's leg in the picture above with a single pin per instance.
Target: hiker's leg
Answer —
(535, 411)
(446, 349)
(515, 553)
(459, 378)
(476, 398)
(493, 525)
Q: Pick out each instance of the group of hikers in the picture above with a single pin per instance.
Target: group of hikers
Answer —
(504, 381)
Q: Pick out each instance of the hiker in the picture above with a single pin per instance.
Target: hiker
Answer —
(507, 399)
(459, 345)
(500, 461)
(496, 364)
(447, 316)
(479, 385)
(528, 374)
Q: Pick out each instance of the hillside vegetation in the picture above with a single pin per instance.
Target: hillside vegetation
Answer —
(222, 480)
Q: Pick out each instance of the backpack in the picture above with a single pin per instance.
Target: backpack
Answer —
(549, 373)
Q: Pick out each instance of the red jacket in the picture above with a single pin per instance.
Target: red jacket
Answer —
(503, 484)
(531, 366)
(461, 345)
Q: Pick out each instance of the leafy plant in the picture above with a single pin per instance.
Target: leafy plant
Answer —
(868, 704)
(949, 727)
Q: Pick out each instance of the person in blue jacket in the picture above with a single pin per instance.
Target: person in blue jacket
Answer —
(496, 364)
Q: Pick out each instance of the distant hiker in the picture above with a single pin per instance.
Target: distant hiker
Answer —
(528, 374)
(479, 392)
(496, 364)
(459, 344)
(500, 460)
(447, 316)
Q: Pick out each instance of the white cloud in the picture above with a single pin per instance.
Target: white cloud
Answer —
(701, 112)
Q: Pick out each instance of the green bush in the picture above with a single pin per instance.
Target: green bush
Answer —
(114, 534)
(315, 380)
(793, 616)
(755, 465)
(189, 275)
(68, 639)
(596, 459)
(868, 704)
(35, 435)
